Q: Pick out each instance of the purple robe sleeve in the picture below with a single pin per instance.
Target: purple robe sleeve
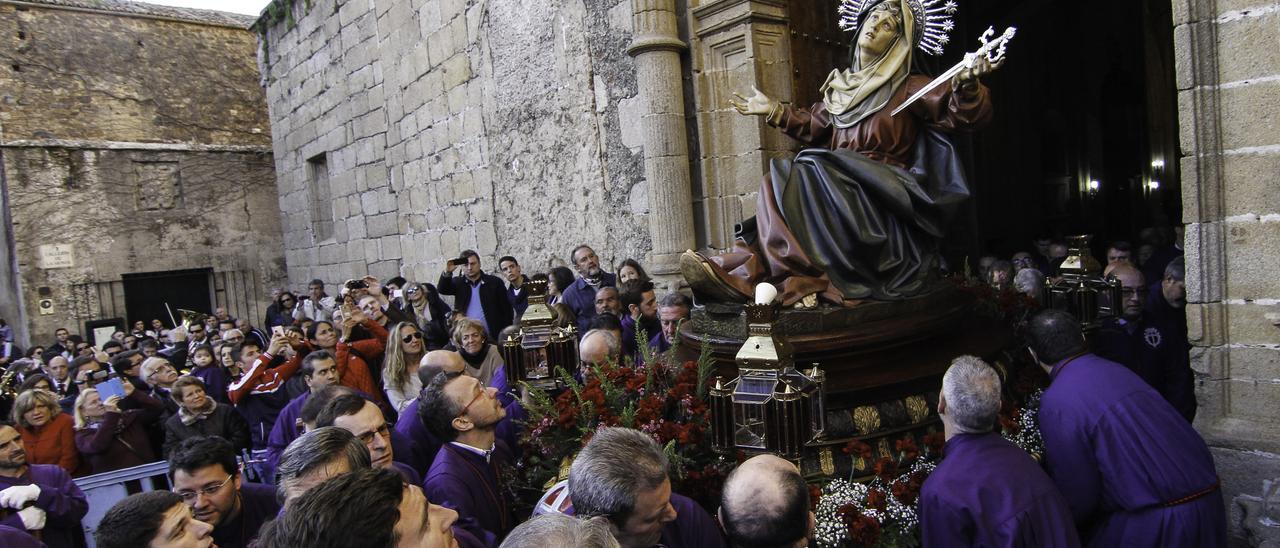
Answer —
(11, 537)
(62, 501)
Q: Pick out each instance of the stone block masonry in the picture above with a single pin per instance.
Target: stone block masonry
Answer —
(448, 124)
(133, 139)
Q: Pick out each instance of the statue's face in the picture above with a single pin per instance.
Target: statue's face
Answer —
(879, 30)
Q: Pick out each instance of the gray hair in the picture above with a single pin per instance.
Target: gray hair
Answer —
(615, 466)
(150, 365)
(1029, 281)
(674, 299)
(562, 530)
(1177, 269)
(972, 391)
(317, 448)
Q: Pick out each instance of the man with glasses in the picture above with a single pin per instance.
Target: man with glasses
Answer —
(464, 414)
(1155, 350)
(38, 498)
(365, 421)
(204, 473)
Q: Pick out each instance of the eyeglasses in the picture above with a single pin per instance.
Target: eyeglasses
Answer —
(189, 497)
(410, 337)
(411, 290)
(162, 369)
(463, 413)
(381, 431)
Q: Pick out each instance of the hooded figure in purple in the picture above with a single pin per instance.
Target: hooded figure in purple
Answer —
(1133, 470)
(987, 491)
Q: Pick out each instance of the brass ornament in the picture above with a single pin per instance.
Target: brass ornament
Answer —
(866, 419)
(917, 408)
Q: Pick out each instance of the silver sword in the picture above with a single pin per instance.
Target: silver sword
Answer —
(992, 49)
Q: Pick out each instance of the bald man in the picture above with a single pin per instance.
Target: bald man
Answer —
(598, 347)
(765, 504)
(1152, 349)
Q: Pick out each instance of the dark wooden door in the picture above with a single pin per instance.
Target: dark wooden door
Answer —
(145, 294)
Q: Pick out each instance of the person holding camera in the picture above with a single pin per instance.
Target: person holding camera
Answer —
(475, 294)
(111, 438)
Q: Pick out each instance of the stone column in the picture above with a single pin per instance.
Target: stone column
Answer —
(656, 48)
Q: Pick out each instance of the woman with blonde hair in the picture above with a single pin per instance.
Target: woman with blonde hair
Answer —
(483, 359)
(47, 433)
(111, 439)
(400, 366)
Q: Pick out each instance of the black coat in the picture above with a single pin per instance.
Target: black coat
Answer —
(225, 422)
(498, 313)
(435, 331)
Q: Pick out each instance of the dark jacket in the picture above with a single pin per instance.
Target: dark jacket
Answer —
(519, 299)
(435, 331)
(493, 300)
(121, 440)
(580, 297)
(225, 422)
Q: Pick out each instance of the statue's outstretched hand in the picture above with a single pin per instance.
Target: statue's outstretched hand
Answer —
(967, 79)
(759, 104)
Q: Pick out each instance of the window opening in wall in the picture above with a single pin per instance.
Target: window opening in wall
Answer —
(321, 198)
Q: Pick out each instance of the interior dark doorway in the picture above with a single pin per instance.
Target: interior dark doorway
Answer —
(145, 294)
(1085, 134)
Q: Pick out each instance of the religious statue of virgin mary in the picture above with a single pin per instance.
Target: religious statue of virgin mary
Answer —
(859, 214)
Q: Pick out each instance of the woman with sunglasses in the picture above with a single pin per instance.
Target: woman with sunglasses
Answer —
(400, 367)
(422, 305)
(281, 311)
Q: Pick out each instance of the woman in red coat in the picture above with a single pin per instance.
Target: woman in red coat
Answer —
(46, 431)
(111, 439)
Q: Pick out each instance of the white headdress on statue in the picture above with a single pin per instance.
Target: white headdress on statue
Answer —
(853, 94)
(932, 20)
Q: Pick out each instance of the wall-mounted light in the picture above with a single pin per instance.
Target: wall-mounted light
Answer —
(1094, 185)
(1157, 164)
(1153, 185)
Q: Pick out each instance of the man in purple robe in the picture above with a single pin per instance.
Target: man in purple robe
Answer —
(639, 313)
(766, 503)
(987, 491)
(672, 310)
(38, 497)
(205, 474)
(466, 473)
(366, 422)
(319, 369)
(622, 474)
(1133, 470)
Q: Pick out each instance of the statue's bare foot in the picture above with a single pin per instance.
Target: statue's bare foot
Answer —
(705, 281)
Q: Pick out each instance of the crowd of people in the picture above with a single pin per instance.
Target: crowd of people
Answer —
(383, 416)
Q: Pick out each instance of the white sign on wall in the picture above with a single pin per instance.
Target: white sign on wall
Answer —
(57, 256)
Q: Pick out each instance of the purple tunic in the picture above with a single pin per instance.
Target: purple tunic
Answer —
(692, 528)
(215, 380)
(257, 506)
(988, 492)
(464, 481)
(60, 498)
(18, 538)
(1132, 469)
(410, 427)
(283, 432)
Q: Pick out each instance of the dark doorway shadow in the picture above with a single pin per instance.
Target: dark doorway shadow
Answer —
(145, 294)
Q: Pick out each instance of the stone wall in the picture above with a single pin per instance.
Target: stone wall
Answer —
(1229, 101)
(136, 136)
(425, 127)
